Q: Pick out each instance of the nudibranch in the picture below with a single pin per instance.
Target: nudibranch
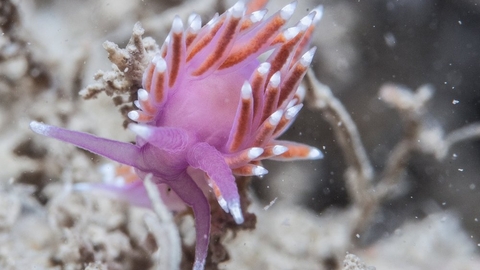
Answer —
(209, 109)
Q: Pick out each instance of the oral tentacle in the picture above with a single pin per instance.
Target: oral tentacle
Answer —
(208, 159)
(193, 196)
(121, 152)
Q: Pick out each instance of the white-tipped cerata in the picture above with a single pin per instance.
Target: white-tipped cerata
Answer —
(301, 92)
(259, 171)
(307, 58)
(177, 25)
(133, 115)
(275, 79)
(264, 68)
(142, 94)
(315, 153)
(191, 18)
(257, 15)
(275, 118)
(293, 111)
(238, 9)
(306, 21)
(255, 152)
(291, 32)
(279, 149)
(160, 64)
(246, 90)
(137, 104)
(196, 23)
(288, 10)
(318, 14)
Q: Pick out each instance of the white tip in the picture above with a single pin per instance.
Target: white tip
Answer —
(191, 17)
(301, 92)
(288, 10)
(213, 20)
(306, 21)
(257, 15)
(246, 90)
(291, 103)
(275, 79)
(279, 149)
(315, 154)
(177, 25)
(223, 204)
(133, 115)
(40, 128)
(167, 40)
(142, 94)
(291, 32)
(136, 103)
(238, 9)
(160, 65)
(196, 23)
(293, 111)
(307, 58)
(259, 171)
(142, 131)
(264, 68)
(236, 212)
(255, 152)
(275, 118)
(318, 13)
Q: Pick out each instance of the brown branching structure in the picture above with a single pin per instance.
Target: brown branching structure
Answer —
(368, 188)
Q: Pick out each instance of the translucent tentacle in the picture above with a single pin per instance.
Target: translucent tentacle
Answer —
(122, 152)
(193, 196)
